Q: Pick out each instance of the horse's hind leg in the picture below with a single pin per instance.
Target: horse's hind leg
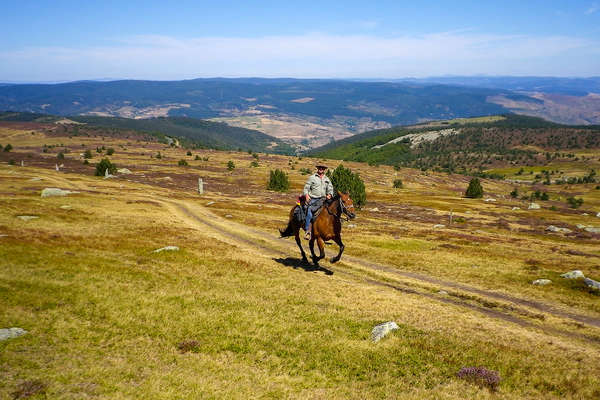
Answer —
(311, 245)
(299, 243)
(321, 248)
(338, 241)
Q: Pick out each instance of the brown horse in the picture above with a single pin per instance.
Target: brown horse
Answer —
(327, 226)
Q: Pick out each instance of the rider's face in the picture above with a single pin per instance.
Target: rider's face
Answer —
(321, 171)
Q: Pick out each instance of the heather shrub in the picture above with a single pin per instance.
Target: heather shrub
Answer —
(480, 376)
(104, 165)
(182, 163)
(398, 184)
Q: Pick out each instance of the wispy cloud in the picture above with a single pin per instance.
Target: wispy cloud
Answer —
(592, 9)
(310, 55)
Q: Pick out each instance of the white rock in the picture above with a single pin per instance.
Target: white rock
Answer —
(598, 215)
(443, 292)
(516, 208)
(585, 214)
(533, 206)
(489, 200)
(575, 274)
(228, 216)
(592, 283)
(591, 229)
(50, 192)
(167, 248)
(27, 217)
(351, 226)
(3, 235)
(212, 202)
(11, 333)
(375, 209)
(66, 207)
(439, 226)
(124, 171)
(381, 330)
(542, 282)
(553, 228)
(580, 226)
(35, 179)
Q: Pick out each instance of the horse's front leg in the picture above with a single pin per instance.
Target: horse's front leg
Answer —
(338, 241)
(299, 243)
(321, 244)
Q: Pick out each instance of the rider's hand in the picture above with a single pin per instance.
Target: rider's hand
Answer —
(307, 197)
(328, 197)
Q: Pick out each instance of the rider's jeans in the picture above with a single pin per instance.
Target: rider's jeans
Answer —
(309, 212)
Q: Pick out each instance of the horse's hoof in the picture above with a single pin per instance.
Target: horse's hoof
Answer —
(334, 260)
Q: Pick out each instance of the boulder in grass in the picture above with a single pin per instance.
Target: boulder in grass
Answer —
(51, 192)
(591, 229)
(592, 283)
(27, 217)
(598, 215)
(11, 333)
(556, 229)
(123, 171)
(533, 206)
(381, 330)
(167, 248)
(575, 274)
(439, 226)
(542, 282)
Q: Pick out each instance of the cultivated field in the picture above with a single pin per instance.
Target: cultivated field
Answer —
(233, 313)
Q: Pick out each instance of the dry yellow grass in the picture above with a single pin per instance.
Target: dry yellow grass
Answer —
(106, 315)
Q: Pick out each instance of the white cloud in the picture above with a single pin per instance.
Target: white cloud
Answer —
(309, 55)
(593, 8)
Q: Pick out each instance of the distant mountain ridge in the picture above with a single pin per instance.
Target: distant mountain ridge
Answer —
(198, 133)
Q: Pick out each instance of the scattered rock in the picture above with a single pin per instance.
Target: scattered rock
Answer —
(167, 248)
(439, 226)
(443, 292)
(489, 200)
(533, 206)
(375, 209)
(553, 228)
(576, 274)
(228, 216)
(516, 208)
(592, 283)
(585, 214)
(50, 192)
(124, 171)
(11, 333)
(598, 215)
(580, 226)
(542, 282)
(3, 235)
(212, 202)
(66, 207)
(381, 330)
(351, 226)
(591, 229)
(27, 217)
(35, 179)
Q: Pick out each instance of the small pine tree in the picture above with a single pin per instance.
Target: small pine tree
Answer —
(398, 184)
(230, 165)
(8, 147)
(197, 158)
(182, 163)
(189, 153)
(278, 181)
(475, 190)
(344, 180)
(87, 154)
(103, 165)
(514, 194)
(60, 156)
(254, 164)
(110, 151)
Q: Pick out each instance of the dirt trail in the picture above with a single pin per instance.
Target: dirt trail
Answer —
(271, 245)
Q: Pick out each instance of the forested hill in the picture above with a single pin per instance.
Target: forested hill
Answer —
(195, 132)
(468, 145)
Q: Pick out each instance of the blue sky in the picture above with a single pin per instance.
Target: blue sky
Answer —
(71, 40)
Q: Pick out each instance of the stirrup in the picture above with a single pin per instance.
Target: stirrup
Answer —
(307, 235)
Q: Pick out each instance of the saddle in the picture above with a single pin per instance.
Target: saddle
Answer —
(302, 209)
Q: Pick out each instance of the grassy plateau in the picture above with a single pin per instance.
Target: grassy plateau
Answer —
(234, 314)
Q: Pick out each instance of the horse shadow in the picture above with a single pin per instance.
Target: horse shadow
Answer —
(298, 263)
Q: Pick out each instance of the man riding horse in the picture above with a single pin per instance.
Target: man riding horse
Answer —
(318, 187)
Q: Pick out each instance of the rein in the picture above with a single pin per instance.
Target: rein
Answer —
(342, 210)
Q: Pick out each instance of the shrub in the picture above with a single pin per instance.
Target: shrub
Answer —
(182, 163)
(398, 184)
(158, 155)
(99, 150)
(0, 147)
(254, 164)
(189, 153)
(480, 376)
(87, 154)
(304, 171)
(475, 190)
(545, 196)
(11, 162)
(110, 151)
(344, 180)
(104, 165)
(60, 156)
(278, 181)
(574, 202)
(230, 165)
(197, 158)
(514, 194)
(86, 162)
(8, 147)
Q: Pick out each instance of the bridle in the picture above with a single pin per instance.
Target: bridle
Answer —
(343, 210)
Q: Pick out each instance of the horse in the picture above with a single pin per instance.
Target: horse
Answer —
(326, 226)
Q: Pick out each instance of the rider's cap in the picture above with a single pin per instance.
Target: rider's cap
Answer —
(321, 166)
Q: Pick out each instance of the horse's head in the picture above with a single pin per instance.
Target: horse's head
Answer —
(346, 205)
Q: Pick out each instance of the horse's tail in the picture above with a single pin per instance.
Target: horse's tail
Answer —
(289, 230)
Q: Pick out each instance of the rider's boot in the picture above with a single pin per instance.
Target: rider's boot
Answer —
(307, 235)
